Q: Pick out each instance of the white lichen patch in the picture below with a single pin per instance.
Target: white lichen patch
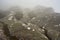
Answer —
(43, 27)
(24, 25)
(28, 28)
(10, 18)
(33, 30)
(33, 18)
(56, 25)
(43, 30)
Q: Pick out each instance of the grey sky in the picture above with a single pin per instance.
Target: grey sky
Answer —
(31, 3)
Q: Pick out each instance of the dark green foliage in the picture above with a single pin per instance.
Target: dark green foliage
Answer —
(7, 32)
(18, 15)
(2, 15)
(31, 15)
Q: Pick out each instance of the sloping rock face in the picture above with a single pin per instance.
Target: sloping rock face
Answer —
(54, 28)
(53, 35)
(2, 35)
(33, 32)
(23, 33)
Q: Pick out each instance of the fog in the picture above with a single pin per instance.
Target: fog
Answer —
(5, 4)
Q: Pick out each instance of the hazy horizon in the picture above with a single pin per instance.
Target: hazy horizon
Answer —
(30, 4)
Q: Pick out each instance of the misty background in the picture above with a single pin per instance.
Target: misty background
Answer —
(5, 4)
